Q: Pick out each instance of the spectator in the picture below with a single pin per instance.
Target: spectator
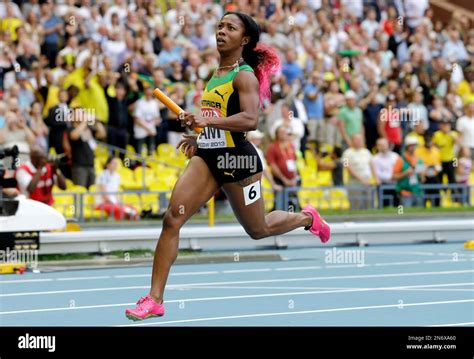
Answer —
(389, 124)
(314, 103)
(371, 107)
(358, 160)
(119, 118)
(294, 125)
(26, 96)
(281, 157)
(408, 172)
(291, 69)
(39, 128)
(146, 119)
(465, 127)
(446, 139)
(454, 49)
(350, 119)
(437, 113)
(384, 162)
(52, 27)
(417, 110)
(370, 24)
(109, 182)
(82, 137)
(57, 122)
(274, 38)
(463, 172)
(36, 177)
(335, 166)
(17, 132)
(431, 158)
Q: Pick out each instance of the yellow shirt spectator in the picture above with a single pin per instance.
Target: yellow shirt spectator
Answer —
(10, 24)
(464, 91)
(429, 156)
(445, 141)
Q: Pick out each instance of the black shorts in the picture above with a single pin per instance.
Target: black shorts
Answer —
(232, 164)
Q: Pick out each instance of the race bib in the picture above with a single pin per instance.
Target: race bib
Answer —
(212, 138)
(251, 193)
(291, 165)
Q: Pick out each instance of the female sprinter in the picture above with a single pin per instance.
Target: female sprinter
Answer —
(222, 157)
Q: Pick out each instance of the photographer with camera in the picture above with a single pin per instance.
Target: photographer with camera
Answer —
(37, 177)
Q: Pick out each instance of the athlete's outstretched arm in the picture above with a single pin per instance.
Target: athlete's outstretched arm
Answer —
(247, 85)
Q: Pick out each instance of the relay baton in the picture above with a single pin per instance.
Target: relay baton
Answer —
(172, 106)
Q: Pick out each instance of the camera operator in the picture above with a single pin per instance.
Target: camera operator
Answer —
(37, 177)
(9, 192)
(7, 181)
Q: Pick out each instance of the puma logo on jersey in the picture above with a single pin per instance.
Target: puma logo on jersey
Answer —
(229, 173)
(218, 93)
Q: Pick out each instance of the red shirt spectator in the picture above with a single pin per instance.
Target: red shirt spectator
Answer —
(281, 156)
(389, 124)
(37, 177)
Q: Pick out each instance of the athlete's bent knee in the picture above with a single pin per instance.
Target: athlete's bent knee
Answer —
(172, 220)
(257, 234)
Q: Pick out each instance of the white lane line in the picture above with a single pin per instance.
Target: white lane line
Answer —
(265, 288)
(445, 260)
(247, 270)
(451, 324)
(83, 278)
(73, 291)
(193, 285)
(234, 271)
(194, 273)
(397, 263)
(26, 281)
(379, 251)
(265, 295)
(413, 253)
(343, 309)
(297, 268)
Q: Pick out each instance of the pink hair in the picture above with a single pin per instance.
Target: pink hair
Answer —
(268, 64)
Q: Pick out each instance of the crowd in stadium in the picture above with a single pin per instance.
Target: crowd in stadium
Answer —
(381, 88)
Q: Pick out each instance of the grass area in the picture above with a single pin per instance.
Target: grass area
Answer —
(396, 211)
(134, 253)
(64, 257)
(225, 218)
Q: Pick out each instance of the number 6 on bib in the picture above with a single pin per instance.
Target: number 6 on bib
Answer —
(251, 193)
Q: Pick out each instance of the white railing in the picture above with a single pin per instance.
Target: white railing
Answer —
(233, 237)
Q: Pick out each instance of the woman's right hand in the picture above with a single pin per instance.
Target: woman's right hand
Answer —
(188, 145)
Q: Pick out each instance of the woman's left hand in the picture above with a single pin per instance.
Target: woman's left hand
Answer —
(190, 120)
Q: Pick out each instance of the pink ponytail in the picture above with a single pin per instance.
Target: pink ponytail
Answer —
(267, 65)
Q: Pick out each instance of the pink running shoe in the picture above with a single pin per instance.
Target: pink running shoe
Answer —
(146, 308)
(319, 227)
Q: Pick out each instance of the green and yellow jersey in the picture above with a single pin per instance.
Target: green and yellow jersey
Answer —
(219, 99)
